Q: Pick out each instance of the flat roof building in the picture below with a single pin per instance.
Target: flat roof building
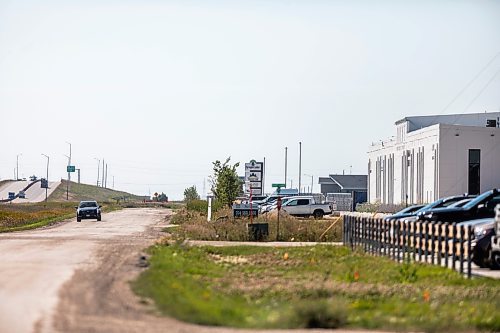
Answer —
(435, 156)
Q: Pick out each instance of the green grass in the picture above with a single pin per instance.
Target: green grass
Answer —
(18, 217)
(79, 192)
(321, 286)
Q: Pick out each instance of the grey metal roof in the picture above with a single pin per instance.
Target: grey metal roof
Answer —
(351, 182)
(325, 180)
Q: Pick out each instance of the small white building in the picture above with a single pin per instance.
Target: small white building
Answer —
(436, 156)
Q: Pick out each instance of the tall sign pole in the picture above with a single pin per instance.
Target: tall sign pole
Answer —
(300, 165)
(286, 161)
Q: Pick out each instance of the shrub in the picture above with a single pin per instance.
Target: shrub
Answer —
(321, 314)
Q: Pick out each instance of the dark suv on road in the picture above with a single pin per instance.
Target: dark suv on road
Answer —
(88, 210)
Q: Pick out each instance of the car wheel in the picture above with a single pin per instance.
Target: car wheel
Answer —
(78, 219)
(318, 214)
(495, 260)
(99, 218)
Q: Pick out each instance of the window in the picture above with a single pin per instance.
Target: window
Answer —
(474, 171)
(302, 202)
(292, 203)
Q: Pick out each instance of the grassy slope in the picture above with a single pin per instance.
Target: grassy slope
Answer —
(78, 192)
(318, 286)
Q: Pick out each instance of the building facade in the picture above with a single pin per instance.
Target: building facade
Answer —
(356, 185)
(435, 156)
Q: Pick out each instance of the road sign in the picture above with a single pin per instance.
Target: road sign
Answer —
(278, 185)
(70, 168)
(44, 183)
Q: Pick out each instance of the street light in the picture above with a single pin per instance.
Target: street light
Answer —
(98, 167)
(69, 174)
(312, 181)
(47, 176)
(17, 165)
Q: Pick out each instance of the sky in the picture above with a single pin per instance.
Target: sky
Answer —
(161, 89)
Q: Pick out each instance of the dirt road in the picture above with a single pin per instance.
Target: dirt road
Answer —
(74, 277)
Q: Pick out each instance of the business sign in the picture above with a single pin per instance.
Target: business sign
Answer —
(254, 166)
(70, 168)
(243, 210)
(254, 176)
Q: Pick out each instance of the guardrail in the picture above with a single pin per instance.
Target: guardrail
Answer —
(437, 243)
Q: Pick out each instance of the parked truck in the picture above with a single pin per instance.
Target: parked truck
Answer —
(306, 206)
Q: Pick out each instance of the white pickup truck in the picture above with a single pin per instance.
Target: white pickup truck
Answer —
(306, 206)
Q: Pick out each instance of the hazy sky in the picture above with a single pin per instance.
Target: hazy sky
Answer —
(160, 89)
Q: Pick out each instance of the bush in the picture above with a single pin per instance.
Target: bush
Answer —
(201, 206)
(379, 208)
(321, 314)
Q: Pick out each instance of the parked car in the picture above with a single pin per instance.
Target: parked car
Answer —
(480, 207)
(306, 206)
(88, 210)
(484, 230)
(274, 205)
(408, 211)
(411, 215)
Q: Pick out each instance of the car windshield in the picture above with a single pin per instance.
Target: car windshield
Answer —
(477, 200)
(88, 204)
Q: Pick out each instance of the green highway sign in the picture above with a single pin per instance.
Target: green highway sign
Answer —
(279, 185)
(70, 168)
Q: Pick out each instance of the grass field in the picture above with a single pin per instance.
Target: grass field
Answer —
(79, 192)
(321, 286)
(193, 225)
(16, 217)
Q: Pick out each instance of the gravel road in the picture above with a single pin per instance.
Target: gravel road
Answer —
(74, 277)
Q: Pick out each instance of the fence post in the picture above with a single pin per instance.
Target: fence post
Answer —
(419, 241)
(446, 245)
(403, 238)
(462, 234)
(469, 251)
(433, 241)
(408, 242)
(454, 244)
(426, 234)
(379, 237)
(439, 243)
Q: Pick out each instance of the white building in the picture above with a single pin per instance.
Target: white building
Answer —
(436, 156)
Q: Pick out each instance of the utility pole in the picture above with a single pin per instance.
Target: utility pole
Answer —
(78, 175)
(69, 173)
(106, 178)
(286, 160)
(300, 164)
(312, 181)
(263, 176)
(47, 177)
(98, 166)
(113, 182)
(17, 165)
(102, 181)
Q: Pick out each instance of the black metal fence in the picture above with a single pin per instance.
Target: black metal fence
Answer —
(436, 243)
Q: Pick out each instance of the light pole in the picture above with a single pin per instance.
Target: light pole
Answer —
(17, 165)
(69, 174)
(300, 163)
(98, 167)
(47, 176)
(286, 158)
(312, 181)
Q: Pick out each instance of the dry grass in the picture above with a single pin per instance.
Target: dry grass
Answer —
(19, 216)
(193, 225)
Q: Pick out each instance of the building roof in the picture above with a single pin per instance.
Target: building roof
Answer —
(325, 180)
(351, 182)
(467, 119)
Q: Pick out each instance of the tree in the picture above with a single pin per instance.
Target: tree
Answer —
(226, 185)
(162, 197)
(191, 194)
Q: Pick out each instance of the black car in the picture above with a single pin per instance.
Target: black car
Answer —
(440, 203)
(88, 210)
(482, 206)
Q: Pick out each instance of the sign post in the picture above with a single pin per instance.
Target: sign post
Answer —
(278, 189)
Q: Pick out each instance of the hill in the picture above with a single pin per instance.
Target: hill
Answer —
(79, 192)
